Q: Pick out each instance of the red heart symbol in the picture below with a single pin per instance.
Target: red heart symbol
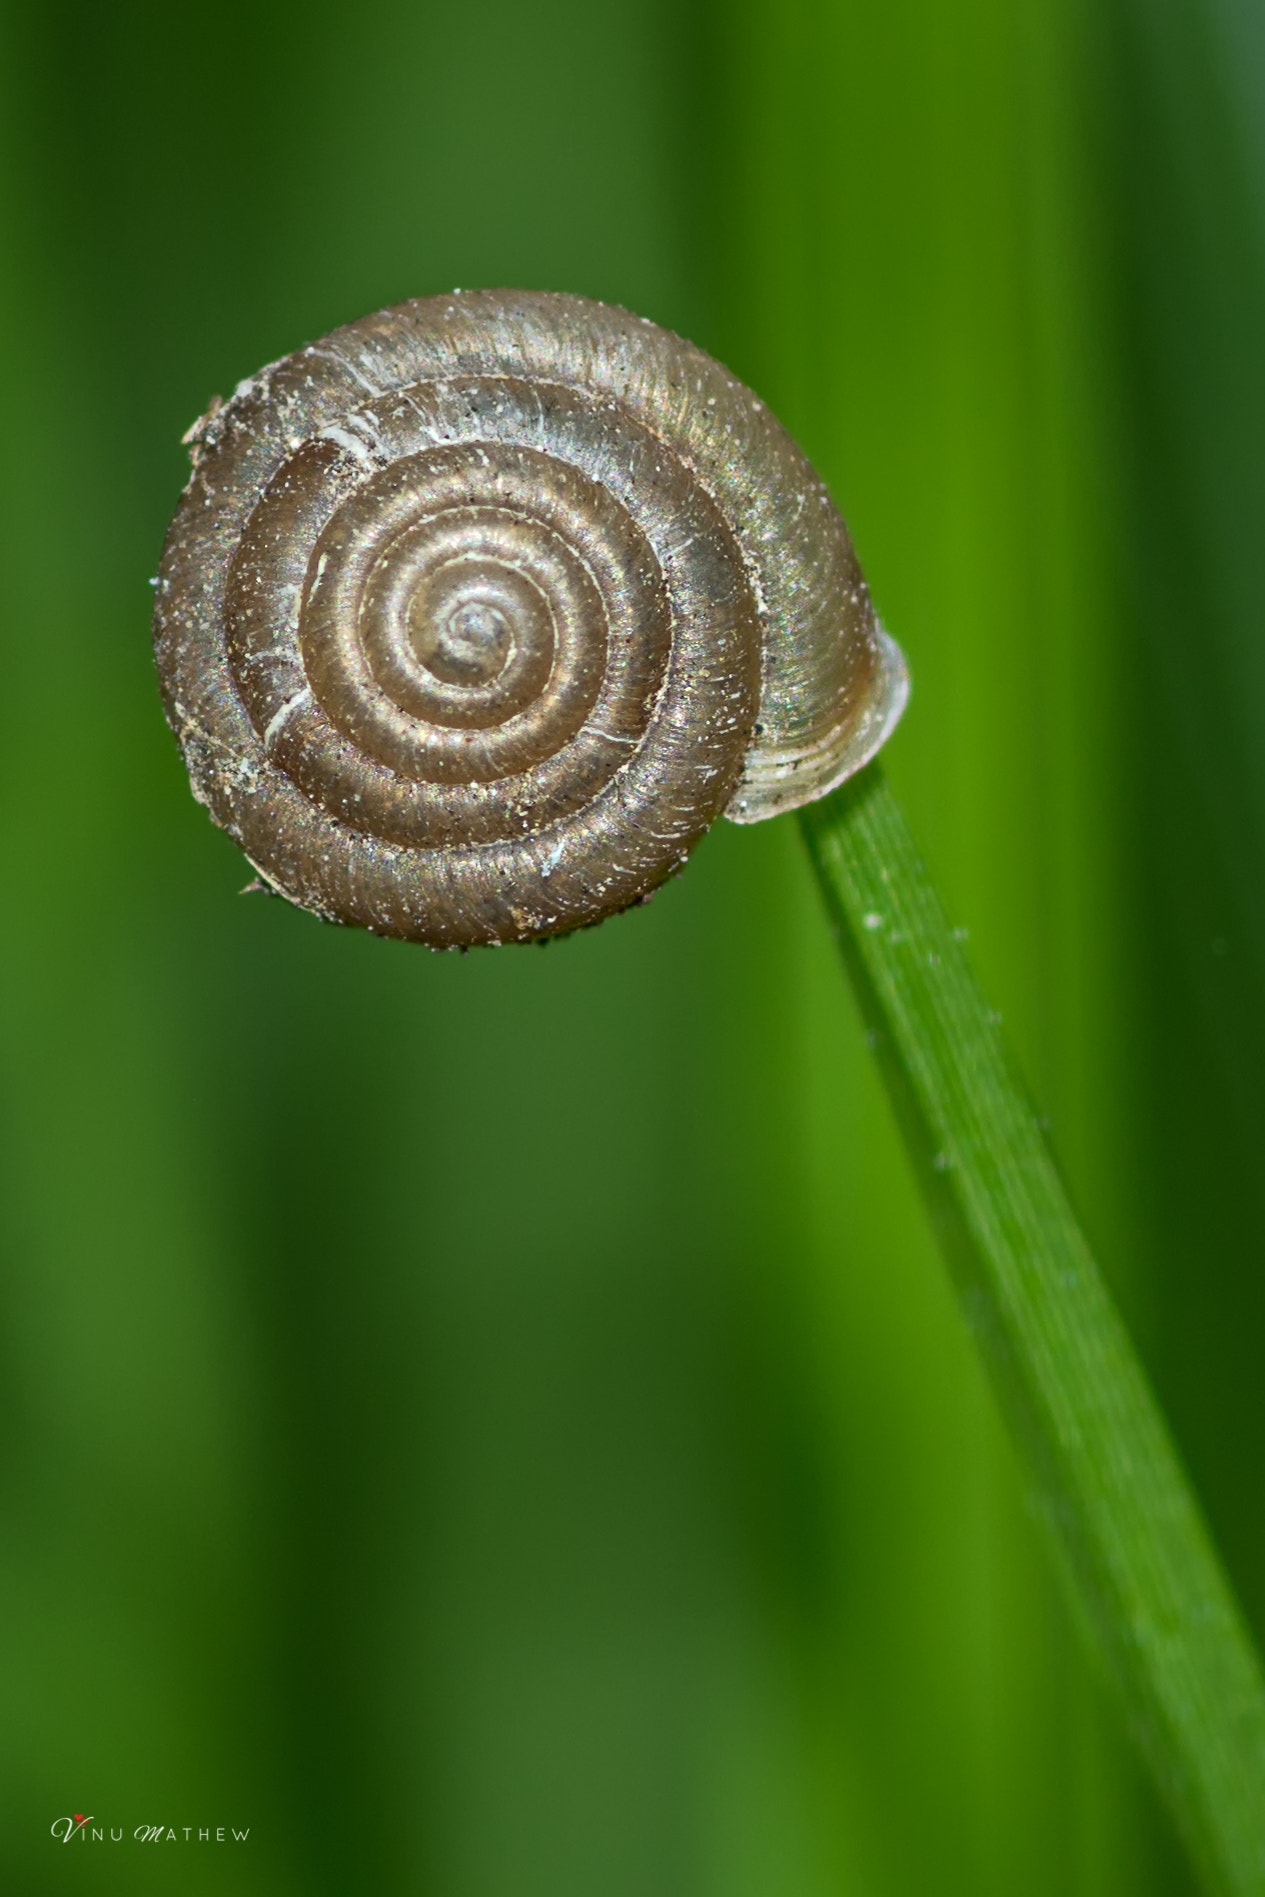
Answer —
(78, 1817)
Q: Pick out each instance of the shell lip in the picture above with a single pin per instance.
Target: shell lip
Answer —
(788, 779)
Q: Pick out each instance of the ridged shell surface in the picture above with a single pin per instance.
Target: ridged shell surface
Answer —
(476, 614)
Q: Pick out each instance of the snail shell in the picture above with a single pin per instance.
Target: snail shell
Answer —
(476, 613)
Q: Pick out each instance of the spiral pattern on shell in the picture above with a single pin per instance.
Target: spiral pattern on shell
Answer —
(476, 614)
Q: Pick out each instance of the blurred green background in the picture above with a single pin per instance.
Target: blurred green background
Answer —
(499, 1424)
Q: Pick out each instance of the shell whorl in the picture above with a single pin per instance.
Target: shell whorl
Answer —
(476, 613)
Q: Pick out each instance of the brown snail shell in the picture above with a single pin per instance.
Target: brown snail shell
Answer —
(476, 613)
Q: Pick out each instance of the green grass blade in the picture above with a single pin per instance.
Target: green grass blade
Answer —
(1096, 1446)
